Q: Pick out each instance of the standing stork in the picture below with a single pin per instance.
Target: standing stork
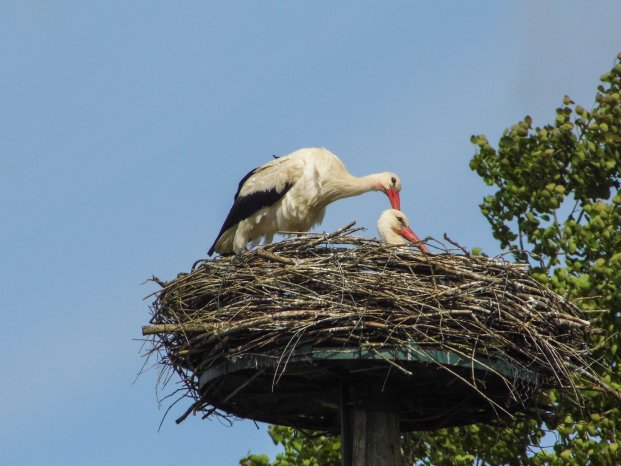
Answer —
(394, 228)
(291, 193)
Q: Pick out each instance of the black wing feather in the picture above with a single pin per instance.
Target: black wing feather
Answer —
(245, 206)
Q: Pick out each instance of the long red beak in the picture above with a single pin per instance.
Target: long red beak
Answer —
(393, 196)
(408, 234)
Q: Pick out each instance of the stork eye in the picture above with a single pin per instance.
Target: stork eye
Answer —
(400, 219)
(394, 180)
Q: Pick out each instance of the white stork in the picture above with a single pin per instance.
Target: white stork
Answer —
(394, 228)
(291, 193)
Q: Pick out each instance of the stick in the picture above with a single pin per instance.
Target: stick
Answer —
(274, 257)
(324, 238)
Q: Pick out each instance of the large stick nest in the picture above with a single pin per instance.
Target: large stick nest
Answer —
(340, 291)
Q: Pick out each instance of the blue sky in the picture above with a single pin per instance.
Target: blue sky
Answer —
(125, 127)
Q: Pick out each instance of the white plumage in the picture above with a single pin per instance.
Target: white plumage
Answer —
(394, 228)
(291, 193)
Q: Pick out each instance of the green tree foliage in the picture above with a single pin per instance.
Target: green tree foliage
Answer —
(556, 196)
(300, 450)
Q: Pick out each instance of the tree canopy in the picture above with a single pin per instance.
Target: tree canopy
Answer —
(556, 204)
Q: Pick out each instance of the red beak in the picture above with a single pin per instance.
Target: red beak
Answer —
(393, 196)
(408, 234)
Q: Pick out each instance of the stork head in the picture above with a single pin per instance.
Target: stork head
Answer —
(394, 228)
(390, 183)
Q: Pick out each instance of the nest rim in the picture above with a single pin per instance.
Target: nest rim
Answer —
(199, 380)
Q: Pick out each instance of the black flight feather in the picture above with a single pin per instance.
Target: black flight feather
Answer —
(245, 206)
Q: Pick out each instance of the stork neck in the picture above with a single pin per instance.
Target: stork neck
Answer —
(351, 185)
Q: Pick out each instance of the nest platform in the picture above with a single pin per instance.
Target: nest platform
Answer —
(289, 332)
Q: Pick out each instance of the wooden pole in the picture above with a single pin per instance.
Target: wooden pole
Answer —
(376, 438)
(346, 424)
(368, 437)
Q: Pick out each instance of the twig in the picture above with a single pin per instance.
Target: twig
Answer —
(456, 244)
(324, 238)
(274, 257)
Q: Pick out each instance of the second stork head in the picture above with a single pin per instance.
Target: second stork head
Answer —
(394, 228)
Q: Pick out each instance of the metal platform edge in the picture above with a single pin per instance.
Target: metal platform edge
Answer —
(410, 353)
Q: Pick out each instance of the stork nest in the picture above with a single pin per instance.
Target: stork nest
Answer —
(340, 291)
